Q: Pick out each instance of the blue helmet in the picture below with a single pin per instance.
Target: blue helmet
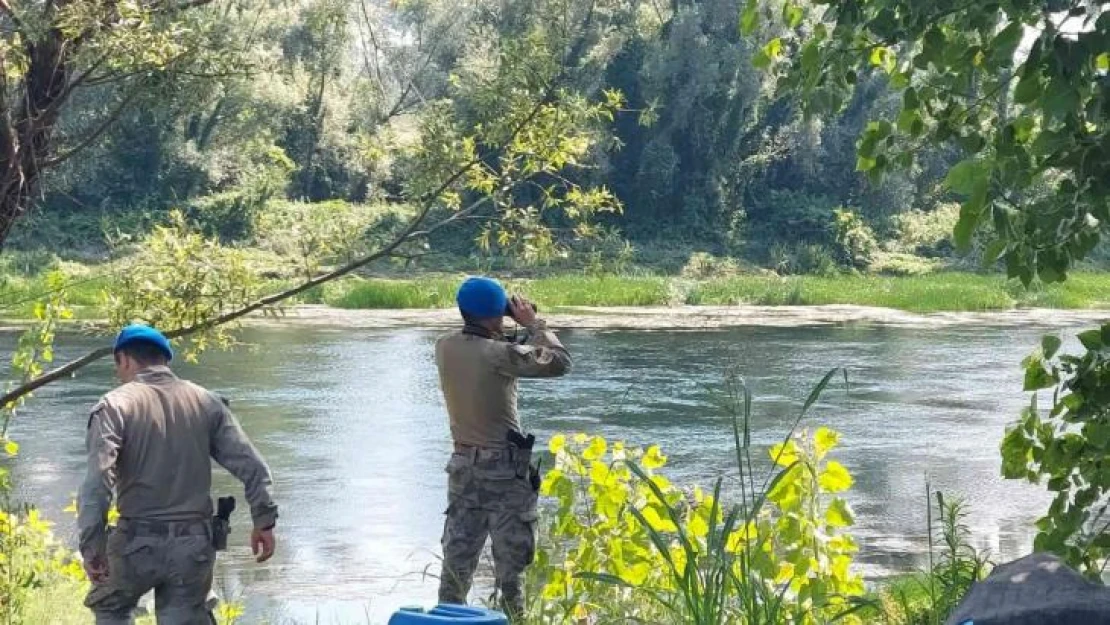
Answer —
(138, 332)
(482, 298)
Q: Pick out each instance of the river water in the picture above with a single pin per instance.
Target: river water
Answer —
(353, 425)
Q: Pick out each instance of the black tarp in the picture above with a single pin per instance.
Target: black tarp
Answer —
(1035, 590)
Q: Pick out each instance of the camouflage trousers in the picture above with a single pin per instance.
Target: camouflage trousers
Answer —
(489, 495)
(175, 560)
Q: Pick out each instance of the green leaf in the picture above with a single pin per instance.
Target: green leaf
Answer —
(1015, 454)
(1102, 62)
(910, 101)
(1005, 44)
(864, 163)
(967, 175)
(654, 458)
(749, 19)
(993, 252)
(839, 514)
(760, 60)
(825, 440)
(1028, 88)
(811, 57)
(11, 448)
(1091, 339)
(792, 14)
(1050, 344)
(1037, 377)
(835, 478)
(971, 214)
(906, 120)
(773, 49)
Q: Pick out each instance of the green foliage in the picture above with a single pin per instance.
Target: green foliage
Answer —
(1066, 447)
(929, 597)
(628, 545)
(30, 557)
(31, 562)
(928, 233)
(855, 238)
(310, 236)
(35, 351)
(178, 279)
(803, 259)
(1029, 120)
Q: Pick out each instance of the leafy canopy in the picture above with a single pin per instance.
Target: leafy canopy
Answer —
(1019, 86)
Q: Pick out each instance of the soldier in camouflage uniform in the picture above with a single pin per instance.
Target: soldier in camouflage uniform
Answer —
(491, 490)
(150, 442)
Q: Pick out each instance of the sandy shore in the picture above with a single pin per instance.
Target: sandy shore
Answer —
(699, 317)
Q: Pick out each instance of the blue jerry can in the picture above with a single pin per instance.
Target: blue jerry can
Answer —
(445, 614)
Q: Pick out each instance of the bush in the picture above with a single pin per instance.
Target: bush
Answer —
(928, 233)
(626, 545)
(32, 561)
(855, 239)
(703, 266)
(812, 259)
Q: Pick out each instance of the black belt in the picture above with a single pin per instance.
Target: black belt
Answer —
(167, 529)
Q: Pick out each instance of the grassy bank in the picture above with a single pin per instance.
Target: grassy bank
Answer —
(950, 291)
(929, 293)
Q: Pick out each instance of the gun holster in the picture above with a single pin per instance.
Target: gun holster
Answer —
(525, 445)
(221, 522)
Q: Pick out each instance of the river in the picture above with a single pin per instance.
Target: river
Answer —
(353, 425)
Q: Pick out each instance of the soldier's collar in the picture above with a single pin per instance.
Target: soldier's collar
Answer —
(154, 373)
(477, 330)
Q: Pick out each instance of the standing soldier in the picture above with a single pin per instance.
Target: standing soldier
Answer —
(150, 441)
(492, 488)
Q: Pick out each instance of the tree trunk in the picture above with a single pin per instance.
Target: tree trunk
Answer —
(25, 139)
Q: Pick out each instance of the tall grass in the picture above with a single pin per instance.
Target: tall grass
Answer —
(923, 294)
(930, 596)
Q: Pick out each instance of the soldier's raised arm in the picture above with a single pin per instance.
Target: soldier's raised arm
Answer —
(103, 438)
(234, 451)
(541, 356)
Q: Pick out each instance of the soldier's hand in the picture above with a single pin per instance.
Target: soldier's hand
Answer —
(522, 311)
(262, 544)
(96, 568)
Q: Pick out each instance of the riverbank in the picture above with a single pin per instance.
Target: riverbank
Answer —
(949, 292)
(695, 317)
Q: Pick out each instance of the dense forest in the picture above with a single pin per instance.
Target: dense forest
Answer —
(264, 106)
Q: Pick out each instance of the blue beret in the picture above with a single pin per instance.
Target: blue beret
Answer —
(137, 332)
(482, 298)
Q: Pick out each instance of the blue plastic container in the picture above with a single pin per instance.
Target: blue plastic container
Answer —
(445, 614)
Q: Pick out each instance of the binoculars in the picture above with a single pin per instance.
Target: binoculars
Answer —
(509, 309)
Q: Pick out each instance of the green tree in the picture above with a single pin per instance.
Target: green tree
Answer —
(51, 51)
(1019, 86)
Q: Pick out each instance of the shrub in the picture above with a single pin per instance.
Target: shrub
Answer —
(928, 233)
(626, 545)
(702, 266)
(854, 238)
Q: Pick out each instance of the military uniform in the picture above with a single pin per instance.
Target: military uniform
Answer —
(489, 491)
(151, 441)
